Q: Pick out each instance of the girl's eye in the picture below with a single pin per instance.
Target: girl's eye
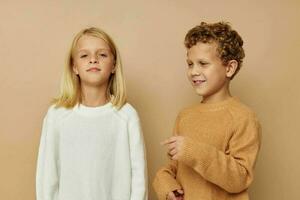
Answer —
(203, 63)
(103, 55)
(83, 56)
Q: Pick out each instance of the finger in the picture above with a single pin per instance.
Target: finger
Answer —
(169, 140)
(171, 155)
(171, 146)
(171, 196)
(174, 157)
(180, 191)
(173, 152)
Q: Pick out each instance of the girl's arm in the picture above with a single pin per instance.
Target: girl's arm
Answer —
(47, 164)
(138, 161)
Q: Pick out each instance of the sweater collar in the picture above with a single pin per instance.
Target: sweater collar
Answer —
(93, 111)
(218, 105)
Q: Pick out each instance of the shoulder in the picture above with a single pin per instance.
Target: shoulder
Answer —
(241, 110)
(128, 112)
(55, 113)
(243, 115)
(188, 110)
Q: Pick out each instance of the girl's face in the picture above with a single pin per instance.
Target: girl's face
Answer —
(207, 73)
(93, 61)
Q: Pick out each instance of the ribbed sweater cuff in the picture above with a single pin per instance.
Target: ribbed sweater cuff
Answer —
(162, 188)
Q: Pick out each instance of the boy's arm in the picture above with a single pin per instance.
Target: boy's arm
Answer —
(138, 162)
(165, 180)
(47, 163)
(231, 170)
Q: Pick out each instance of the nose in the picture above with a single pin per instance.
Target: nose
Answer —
(195, 71)
(93, 59)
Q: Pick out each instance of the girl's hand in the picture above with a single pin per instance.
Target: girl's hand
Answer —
(175, 195)
(175, 146)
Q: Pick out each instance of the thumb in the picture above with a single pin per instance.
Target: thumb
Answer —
(171, 196)
(180, 191)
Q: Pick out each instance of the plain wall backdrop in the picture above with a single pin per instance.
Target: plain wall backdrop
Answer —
(35, 38)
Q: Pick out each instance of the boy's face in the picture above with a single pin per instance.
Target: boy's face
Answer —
(93, 61)
(207, 73)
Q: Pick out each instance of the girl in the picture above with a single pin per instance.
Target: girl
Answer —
(91, 145)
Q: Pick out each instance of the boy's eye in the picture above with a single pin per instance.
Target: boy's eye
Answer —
(83, 56)
(203, 63)
(190, 64)
(103, 55)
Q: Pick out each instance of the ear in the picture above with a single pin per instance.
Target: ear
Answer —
(114, 69)
(75, 70)
(231, 68)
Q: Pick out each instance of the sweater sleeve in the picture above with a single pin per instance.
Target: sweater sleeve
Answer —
(47, 163)
(233, 169)
(138, 162)
(165, 179)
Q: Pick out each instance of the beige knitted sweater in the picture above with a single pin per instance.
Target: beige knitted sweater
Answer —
(222, 141)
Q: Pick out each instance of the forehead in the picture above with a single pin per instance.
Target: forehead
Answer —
(203, 50)
(88, 42)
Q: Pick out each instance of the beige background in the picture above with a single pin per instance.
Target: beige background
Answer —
(35, 37)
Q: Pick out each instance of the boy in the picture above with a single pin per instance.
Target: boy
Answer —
(216, 142)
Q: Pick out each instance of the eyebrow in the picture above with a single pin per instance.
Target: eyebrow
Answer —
(80, 50)
(198, 60)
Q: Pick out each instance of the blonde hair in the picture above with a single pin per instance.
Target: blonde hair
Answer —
(70, 91)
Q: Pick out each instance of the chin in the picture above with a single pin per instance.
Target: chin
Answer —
(95, 83)
(200, 92)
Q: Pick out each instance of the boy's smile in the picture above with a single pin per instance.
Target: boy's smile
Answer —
(207, 73)
(198, 82)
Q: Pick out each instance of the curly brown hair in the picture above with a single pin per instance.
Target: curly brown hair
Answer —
(230, 43)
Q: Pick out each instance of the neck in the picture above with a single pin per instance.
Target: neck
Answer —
(218, 96)
(93, 96)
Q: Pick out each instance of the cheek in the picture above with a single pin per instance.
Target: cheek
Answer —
(217, 73)
(109, 64)
(218, 79)
(189, 73)
(107, 67)
(78, 63)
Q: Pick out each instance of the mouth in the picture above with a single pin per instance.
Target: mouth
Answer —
(93, 69)
(198, 82)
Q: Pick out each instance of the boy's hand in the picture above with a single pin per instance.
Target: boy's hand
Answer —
(175, 195)
(175, 145)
